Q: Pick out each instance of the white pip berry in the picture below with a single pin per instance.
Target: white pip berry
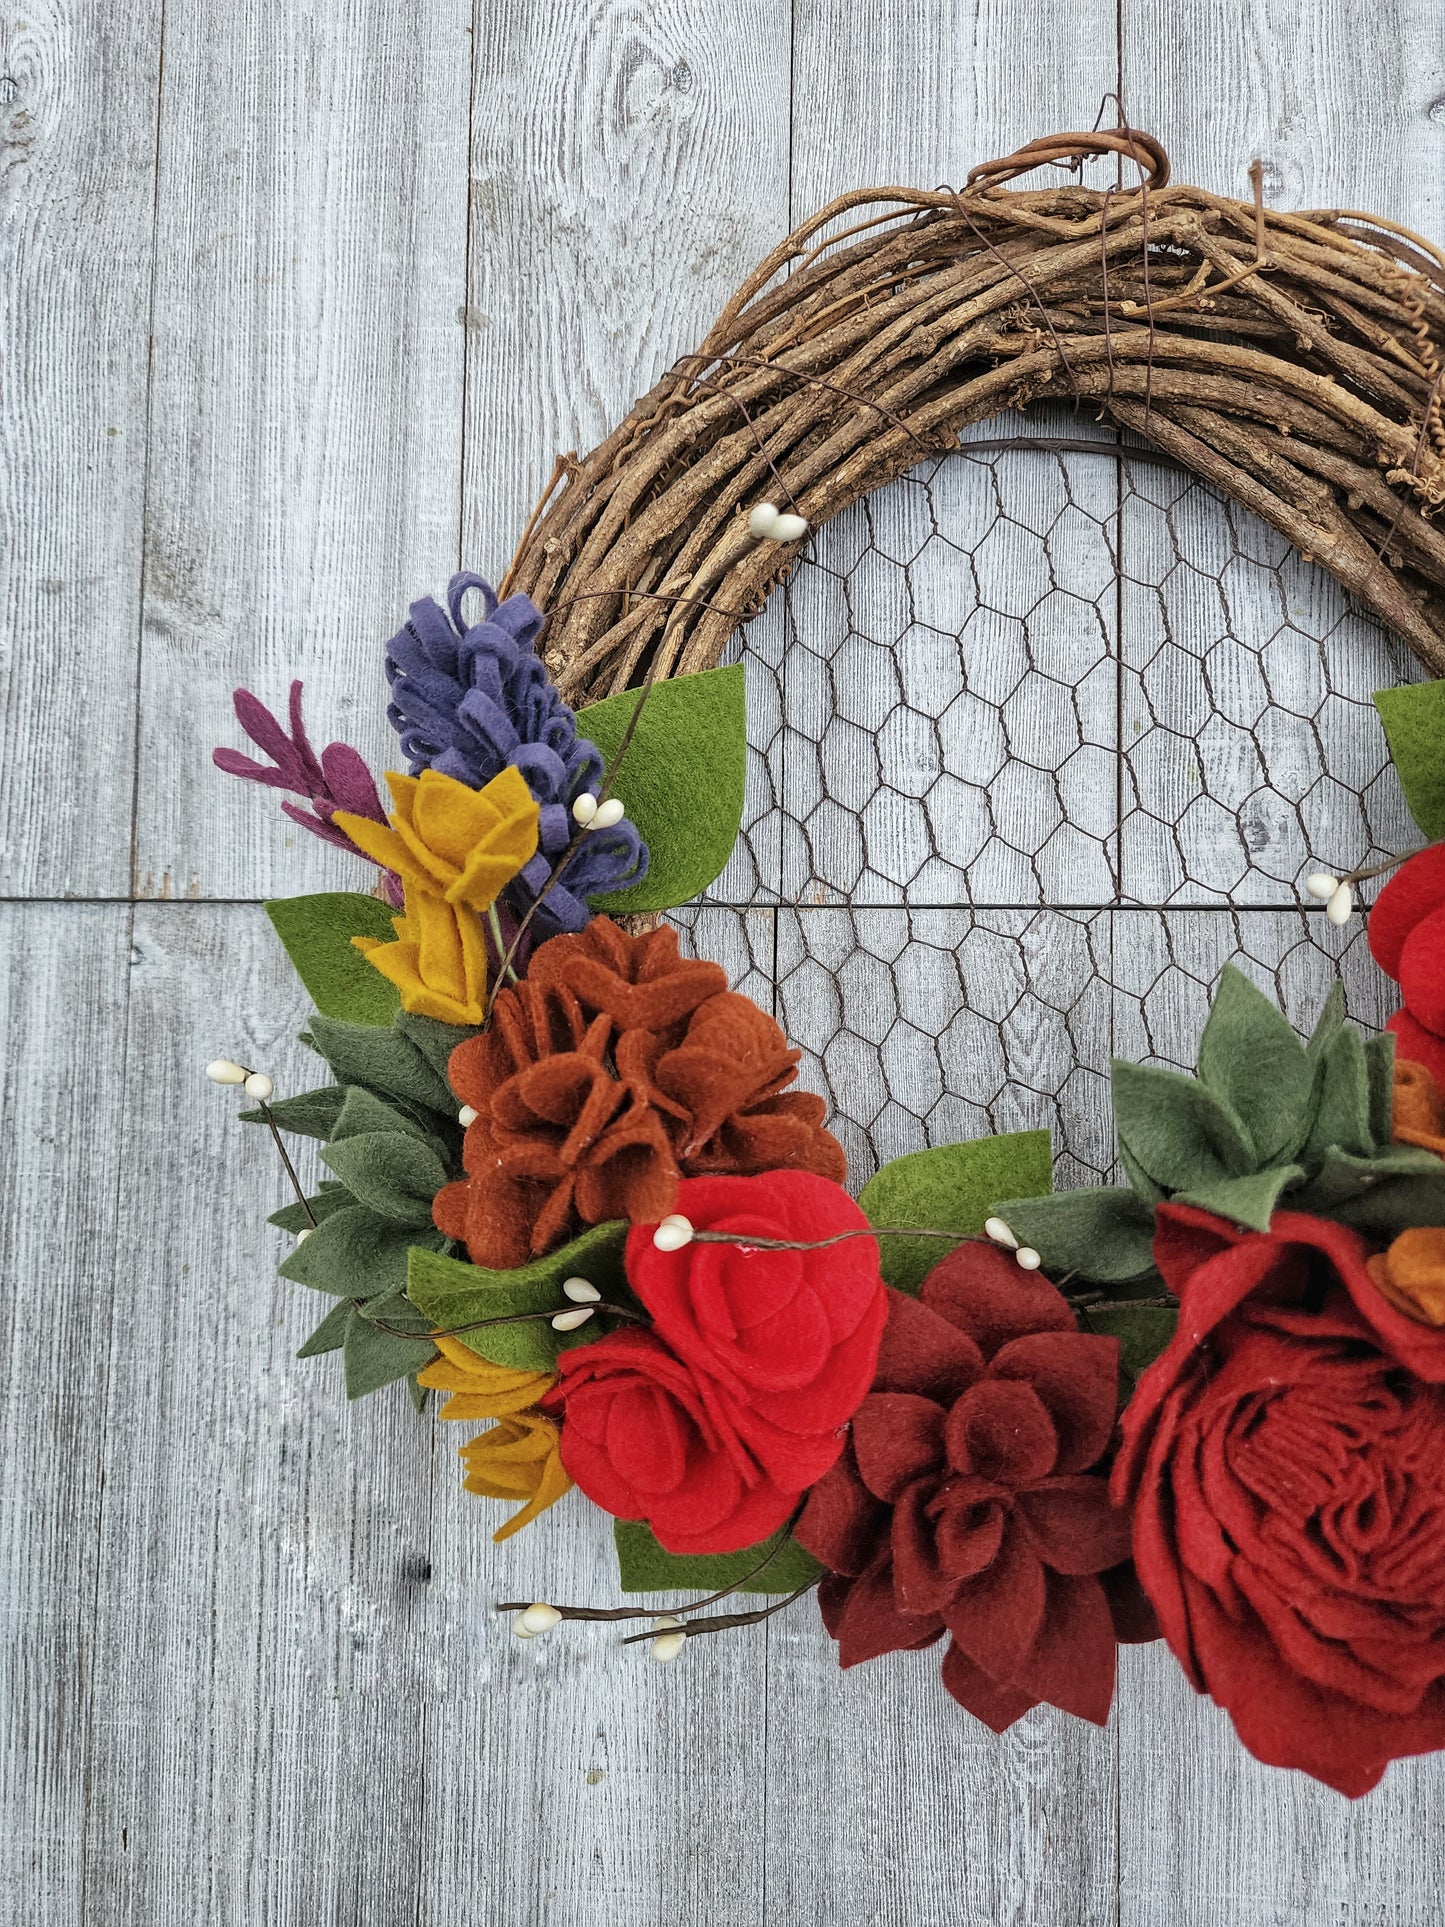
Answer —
(568, 1321)
(466, 1117)
(609, 813)
(223, 1071)
(768, 523)
(1341, 905)
(584, 809)
(259, 1086)
(1322, 886)
(667, 1646)
(539, 1617)
(1028, 1258)
(996, 1229)
(581, 1291)
(673, 1233)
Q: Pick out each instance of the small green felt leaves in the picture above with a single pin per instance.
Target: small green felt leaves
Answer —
(317, 933)
(1142, 1331)
(387, 1062)
(951, 1189)
(1175, 1129)
(1414, 719)
(1105, 1233)
(681, 779)
(643, 1566)
(395, 1176)
(312, 1114)
(452, 1292)
(1251, 1060)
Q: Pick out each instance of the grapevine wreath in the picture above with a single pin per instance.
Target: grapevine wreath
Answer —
(573, 1188)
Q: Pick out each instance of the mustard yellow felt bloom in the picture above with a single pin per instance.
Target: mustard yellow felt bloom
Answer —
(455, 850)
(518, 1458)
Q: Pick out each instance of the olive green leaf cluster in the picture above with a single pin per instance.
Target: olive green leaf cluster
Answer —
(1270, 1122)
(391, 1140)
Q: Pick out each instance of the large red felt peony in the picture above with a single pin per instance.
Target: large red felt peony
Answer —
(973, 1497)
(1285, 1458)
(713, 1424)
(1407, 938)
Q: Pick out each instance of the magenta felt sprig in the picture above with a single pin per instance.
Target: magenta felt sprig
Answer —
(337, 779)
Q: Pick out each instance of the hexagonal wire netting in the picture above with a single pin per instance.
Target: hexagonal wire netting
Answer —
(1040, 740)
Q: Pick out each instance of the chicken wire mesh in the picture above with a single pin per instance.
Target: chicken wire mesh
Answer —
(1040, 739)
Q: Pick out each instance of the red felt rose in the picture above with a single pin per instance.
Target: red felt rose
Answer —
(1407, 938)
(972, 1497)
(713, 1424)
(1285, 1458)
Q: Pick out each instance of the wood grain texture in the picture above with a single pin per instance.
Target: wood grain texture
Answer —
(77, 171)
(306, 400)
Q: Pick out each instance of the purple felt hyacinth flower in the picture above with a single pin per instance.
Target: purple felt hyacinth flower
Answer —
(467, 701)
(338, 779)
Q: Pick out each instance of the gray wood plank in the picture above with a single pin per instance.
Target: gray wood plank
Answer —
(78, 152)
(306, 400)
(63, 984)
(262, 1679)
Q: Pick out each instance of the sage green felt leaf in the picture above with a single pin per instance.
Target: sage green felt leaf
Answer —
(330, 1334)
(395, 1176)
(1143, 1331)
(1250, 1200)
(1372, 1190)
(419, 1393)
(1331, 1021)
(1343, 1118)
(1143, 1185)
(1382, 1211)
(436, 1041)
(317, 933)
(375, 1358)
(311, 1114)
(952, 1188)
(1414, 719)
(1105, 1234)
(364, 1111)
(385, 1061)
(1250, 1058)
(681, 779)
(453, 1293)
(1380, 1075)
(643, 1566)
(1179, 1132)
(356, 1254)
(330, 1197)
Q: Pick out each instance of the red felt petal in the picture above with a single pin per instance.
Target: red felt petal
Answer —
(1414, 892)
(1001, 1430)
(921, 1582)
(1134, 1619)
(1422, 971)
(921, 1352)
(996, 1617)
(1419, 1045)
(1077, 1377)
(1071, 1664)
(897, 1437)
(997, 1705)
(842, 1523)
(871, 1623)
(1072, 1526)
(981, 1290)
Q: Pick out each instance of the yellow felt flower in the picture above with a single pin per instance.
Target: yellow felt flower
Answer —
(519, 1457)
(455, 849)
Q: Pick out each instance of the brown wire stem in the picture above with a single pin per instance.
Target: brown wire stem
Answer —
(727, 1622)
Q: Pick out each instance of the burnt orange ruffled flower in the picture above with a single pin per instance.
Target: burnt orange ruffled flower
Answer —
(1411, 1274)
(455, 850)
(1419, 1108)
(518, 1458)
(614, 1069)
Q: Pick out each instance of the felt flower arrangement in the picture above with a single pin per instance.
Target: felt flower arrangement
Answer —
(573, 1188)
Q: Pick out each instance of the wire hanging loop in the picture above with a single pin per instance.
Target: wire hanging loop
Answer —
(1072, 150)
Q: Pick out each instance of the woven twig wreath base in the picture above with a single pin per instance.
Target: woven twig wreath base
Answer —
(1294, 361)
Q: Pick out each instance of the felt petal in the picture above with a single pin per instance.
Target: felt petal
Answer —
(996, 1616)
(1001, 1430)
(1420, 1046)
(842, 1523)
(1072, 1526)
(1076, 1375)
(996, 1704)
(1071, 1662)
(871, 1622)
(1414, 892)
(981, 1291)
(1422, 971)
(897, 1438)
(921, 1352)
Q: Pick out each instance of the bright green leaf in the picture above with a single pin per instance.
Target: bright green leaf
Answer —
(454, 1293)
(1414, 719)
(1143, 1331)
(317, 933)
(952, 1188)
(681, 779)
(1179, 1132)
(1250, 1058)
(395, 1176)
(1105, 1233)
(643, 1566)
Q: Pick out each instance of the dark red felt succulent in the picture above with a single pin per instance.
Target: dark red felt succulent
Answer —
(1407, 938)
(712, 1424)
(1282, 1458)
(972, 1497)
(615, 1068)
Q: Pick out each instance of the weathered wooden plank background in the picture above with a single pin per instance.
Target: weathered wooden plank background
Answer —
(299, 304)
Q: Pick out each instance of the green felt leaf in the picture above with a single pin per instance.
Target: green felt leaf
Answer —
(1178, 1131)
(681, 779)
(1331, 1021)
(331, 1197)
(1343, 1118)
(385, 1061)
(1250, 1200)
(356, 1254)
(952, 1188)
(1380, 1075)
(453, 1293)
(1139, 1178)
(330, 1334)
(363, 1111)
(1105, 1233)
(1143, 1331)
(1396, 1204)
(419, 1393)
(395, 1176)
(643, 1566)
(436, 1041)
(1250, 1058)
(1414, 719)
(1391, 1189)
(375, 1358)
(311, 1114)
(317, 933)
